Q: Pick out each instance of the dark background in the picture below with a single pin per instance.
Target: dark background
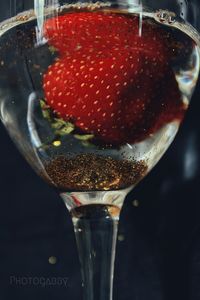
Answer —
(158, 252)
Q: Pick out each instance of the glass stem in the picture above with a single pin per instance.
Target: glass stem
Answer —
(95, 228)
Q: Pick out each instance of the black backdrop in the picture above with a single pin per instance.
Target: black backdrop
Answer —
(158, 252)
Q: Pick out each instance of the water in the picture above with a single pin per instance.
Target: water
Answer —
(63, 149)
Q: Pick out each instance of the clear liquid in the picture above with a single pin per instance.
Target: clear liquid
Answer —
(68, 158)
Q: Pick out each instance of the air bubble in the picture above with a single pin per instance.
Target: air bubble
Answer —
(166, 17)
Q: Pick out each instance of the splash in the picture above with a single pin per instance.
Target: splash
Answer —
(39, 9)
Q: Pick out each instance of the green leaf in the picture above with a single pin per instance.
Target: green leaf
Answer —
(44, 105)
(57, 124)
(62, 128)
(45, 110)
(84, 137)
(42, 102)
(46, 114)
(67, 129)
(60, 121)
(52, 49)
(88, 144)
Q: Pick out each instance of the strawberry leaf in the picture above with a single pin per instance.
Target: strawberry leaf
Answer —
(84, 137)
(52, 49)
(46, 112)
(64, 130)
(88, 144)
(58, 123)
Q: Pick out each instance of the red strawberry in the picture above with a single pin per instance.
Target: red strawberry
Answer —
(121, 89)
(97, 32)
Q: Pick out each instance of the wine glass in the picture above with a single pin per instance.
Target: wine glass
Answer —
(93, 94)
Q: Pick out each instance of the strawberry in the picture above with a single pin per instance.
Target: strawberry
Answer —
(108, 80)
(101, 33)
(72, 33)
